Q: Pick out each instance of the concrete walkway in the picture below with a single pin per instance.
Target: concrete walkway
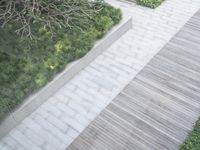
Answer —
(158, 108)
(63, 117)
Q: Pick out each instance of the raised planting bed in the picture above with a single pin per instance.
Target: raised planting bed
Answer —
(149, 3)
(33, 70)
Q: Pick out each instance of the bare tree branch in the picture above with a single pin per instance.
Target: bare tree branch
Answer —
(49, 13)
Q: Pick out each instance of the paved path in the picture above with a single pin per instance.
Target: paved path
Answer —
(158, 108)
(63, 117)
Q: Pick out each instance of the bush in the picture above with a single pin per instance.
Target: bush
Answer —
(26, 65)
(149, 3)
(193, 140)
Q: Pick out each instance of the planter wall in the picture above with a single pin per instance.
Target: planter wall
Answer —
(35, 100)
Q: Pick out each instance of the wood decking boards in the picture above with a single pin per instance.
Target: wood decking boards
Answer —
(159, 106)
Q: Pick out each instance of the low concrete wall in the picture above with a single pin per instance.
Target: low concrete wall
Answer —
(35, 100)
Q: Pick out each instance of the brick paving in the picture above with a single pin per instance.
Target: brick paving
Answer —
(56, 123)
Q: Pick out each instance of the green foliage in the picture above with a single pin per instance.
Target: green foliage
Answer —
(149, 3)
(40, 79)
(193, 140)
(103, 25)
(114, 14)
(27, 65)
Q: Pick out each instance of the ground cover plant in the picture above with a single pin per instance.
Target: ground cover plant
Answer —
(193, 140)
(149, 3)
(32, 54)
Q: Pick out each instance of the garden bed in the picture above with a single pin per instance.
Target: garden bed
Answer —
(36, 95)
(27, 65)
(150, 3)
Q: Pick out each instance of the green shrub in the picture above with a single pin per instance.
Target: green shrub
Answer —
(103, 25)
(40, 79)
(27, 65)
(149, 3)
(193, 140)
(114, 14)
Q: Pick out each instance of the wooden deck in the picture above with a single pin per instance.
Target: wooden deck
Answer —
(158, 108)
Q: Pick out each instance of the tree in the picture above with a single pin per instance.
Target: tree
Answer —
(47, 13)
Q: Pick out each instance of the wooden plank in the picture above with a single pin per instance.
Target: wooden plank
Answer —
(172, 90)
(183, 51)
(179, 72)
(184, 61)
(146, 127)
(176, 112)
(180, 89)
(104, 132)
(158, 108)
(179, 42)
(135, 133)
(165, 98)
(152, 117)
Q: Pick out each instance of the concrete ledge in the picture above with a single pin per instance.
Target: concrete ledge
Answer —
(35, 100)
